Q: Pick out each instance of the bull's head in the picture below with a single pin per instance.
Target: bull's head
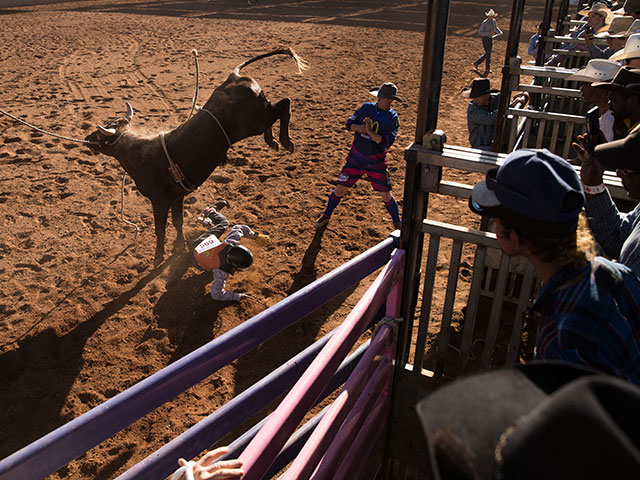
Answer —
(109, 134)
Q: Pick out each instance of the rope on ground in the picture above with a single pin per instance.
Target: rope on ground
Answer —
(124, 178)
(37, 129)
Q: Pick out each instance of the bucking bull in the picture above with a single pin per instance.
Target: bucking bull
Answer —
(168, 166)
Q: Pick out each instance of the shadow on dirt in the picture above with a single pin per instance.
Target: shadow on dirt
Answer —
(41, 357)
(406, 16)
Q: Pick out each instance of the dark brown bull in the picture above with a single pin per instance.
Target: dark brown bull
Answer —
(237, 109)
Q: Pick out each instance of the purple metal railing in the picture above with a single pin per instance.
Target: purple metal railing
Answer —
(54, 450)
(231, 415)
(266, 445)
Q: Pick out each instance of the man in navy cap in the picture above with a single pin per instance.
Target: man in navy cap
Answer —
(588, 309)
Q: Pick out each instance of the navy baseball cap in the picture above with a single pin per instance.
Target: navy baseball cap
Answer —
(535, 190)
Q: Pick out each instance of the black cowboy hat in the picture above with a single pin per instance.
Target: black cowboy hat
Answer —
(541, 420)
(479, 87)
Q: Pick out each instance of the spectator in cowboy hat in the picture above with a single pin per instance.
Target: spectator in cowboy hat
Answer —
(623, 101)
(630, 54)
(616, 36)
(616, 232)
(537, 421)
(482, 112)
(375, 128)
(599, 17)
(598, 70)
(488, 31)
(588, 309)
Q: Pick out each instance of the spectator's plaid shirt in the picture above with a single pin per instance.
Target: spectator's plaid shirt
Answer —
(591, 316)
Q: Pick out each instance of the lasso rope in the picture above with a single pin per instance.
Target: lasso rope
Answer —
(33, 127)
(195, 95)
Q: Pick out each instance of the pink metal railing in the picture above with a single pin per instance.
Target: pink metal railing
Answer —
(266, 445)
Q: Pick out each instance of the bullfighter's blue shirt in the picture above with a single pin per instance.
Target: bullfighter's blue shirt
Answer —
(385, 123)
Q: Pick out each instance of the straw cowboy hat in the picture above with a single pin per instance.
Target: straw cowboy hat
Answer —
(597, 70)
(600, 9)
(631, 49)
(625, 82)
(634, 28)
(618, 28)
(491, 13)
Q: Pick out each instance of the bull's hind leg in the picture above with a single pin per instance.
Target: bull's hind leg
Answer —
(176, 219)
(268, 137)
(160, 213)
(282, 110)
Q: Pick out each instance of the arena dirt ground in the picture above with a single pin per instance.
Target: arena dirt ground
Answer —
(83, 314)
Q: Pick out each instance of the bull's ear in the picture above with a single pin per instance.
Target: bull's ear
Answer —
(129, 114)
(107, 132)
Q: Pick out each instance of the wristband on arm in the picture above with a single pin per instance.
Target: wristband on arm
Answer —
(594, 189)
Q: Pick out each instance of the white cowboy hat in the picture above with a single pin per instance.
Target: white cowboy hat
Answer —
(618, 28)
(597, 70)
(491, 13)
(631, 49)
(634, 28)
(600, 9)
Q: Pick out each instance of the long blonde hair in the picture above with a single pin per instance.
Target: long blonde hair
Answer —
(573, 249)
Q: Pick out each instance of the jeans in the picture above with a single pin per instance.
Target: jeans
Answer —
(487, 44)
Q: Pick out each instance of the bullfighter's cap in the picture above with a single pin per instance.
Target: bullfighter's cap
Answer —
(386, 90)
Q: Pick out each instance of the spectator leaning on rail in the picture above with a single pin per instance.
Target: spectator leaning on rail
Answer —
(630, 54)
(618, 234)
(616, 37)
(534, 42)
(482, 111)
(588, 309)
(375, 127)
(488, 31)
(599, 17)
(223, 257)
(208, 469)
(598, 70)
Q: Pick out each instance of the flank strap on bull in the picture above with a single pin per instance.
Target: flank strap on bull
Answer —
(198, 107)
(174, 169)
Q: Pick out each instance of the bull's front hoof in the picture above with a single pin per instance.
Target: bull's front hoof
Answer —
(274, 146)
(179, 247)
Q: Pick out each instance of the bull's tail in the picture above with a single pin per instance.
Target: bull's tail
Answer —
(300, 62)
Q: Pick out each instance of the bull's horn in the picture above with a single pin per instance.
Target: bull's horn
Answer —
(129, 114)
(108, 132)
